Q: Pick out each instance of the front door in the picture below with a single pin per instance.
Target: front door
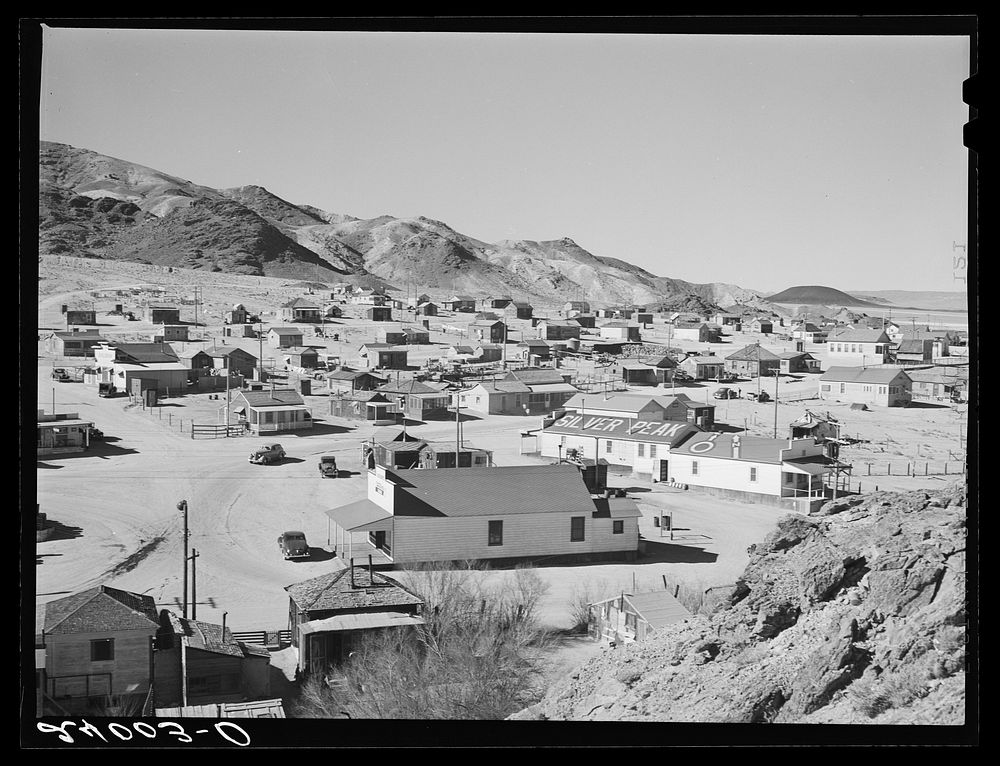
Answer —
(664, 473)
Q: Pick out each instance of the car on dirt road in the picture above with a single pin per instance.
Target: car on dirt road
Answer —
(267, 453)
(725, 393)
(58, 373)
(328, 467)
(293, 545)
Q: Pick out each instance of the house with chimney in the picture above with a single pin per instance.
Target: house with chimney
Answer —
(301, 310)
(702, 367)
(372, 406)
(488, 331)
(417, 400)
(753, 361)
(74, 343)
(383, 356)
(156, 365)
(96, 643)
(532, 351)
(520, 513)
(794, 473)
(427, 309)
(332, 615)
(200, 663)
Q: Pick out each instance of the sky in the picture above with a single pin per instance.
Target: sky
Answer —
(761, 161)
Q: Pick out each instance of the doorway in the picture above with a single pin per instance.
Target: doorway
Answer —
(664, 472)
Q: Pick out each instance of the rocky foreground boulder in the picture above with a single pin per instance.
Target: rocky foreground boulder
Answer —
(856, 614)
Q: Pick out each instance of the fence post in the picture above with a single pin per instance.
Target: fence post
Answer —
(888, 469)
(869, 469)
(925, 469)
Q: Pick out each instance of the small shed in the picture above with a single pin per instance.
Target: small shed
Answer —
(632, 617)
(379, 314)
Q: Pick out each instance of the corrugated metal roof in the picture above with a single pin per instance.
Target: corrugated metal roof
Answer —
(360, 621)
(492, 491)
(658, 608)
(883, 375)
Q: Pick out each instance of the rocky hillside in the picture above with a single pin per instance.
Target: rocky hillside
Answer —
(168, 221)
(854, 615)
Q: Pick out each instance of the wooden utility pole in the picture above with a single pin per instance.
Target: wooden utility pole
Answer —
(194, 583)
(776, 404)
(182, 506)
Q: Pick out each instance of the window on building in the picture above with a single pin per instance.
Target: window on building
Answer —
(641, 450)
(608, 445)
(576, 528)
(652, 451)
(694, 467)
(496, 533)
(753, 473)
(842, 387)
(102, 649)
(825, 387)
(617, 527)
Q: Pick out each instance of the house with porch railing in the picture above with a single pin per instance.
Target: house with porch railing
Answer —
(271, 411)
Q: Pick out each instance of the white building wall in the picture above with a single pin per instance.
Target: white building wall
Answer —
(726, 474)
(541, 534)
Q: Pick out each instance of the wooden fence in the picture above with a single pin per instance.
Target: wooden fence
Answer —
(914, 468)
(213, 431)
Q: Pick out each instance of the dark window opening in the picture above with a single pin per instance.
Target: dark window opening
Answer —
(496, 533)
(102, 649)
(576, 529)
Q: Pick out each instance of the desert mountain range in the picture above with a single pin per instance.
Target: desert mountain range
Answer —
(91, 205)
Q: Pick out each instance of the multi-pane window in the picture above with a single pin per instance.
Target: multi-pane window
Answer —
(694, 467)
(753, 473)
(102, 649)
(642, 449)
(496, 533)
(618, 527)
(652, 450)
(576, 528)
(608, 446)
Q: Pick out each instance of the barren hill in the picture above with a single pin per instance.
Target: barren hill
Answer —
(817, 295)
(854, 615)
(97, 206)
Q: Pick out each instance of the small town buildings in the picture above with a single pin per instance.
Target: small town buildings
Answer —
(408, 453)
(500, 302)
(345, 380)
(519, 513)
(461, 303)
(882, 386)
(162, 314)
(342, 288)
(762, 325)
(488, 331)
(726, 319)
(809, 332)
(62, 433)
(378, 314)
(333, 311)
(232, 358)
(572, 308)
(916, 351)
(98, 643)
(106, 354)
(74, 343)
(392, 336)
(622, 331)
(382, 356)
(363, 405)
(239, 331)
(632, 617)
(701, 367)
(798, 361)
(488, 352)
(647, 407)
(700, 332)
(284, 337)
(198, 663)
(423, 298)
(643, 446)
(857, 348)
(939, 383)
(171, 333)
(588, 321)
(417, 400)
(427, 309)
(822, 428)
(533, 351)
(753, 468)
(752, 361)
(648, 371)
(460, 352)
(367, 296)
(81, 317)
(518, 310)
(236, 315)
(550, 329)
(333, 614)
(270, 411)
(303, 357)
(486, 315)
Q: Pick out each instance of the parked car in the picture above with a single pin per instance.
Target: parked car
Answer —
(58, 373)
(96, 433)
(293, 545)
(328, 467)
(107, 390)
(267, 453)
(761, 397)
(725, 393)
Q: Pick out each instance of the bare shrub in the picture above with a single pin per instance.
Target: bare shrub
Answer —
(477, 655)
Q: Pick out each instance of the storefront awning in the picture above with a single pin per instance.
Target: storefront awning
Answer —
(360, 621)
(808, 467)
(361, 516)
